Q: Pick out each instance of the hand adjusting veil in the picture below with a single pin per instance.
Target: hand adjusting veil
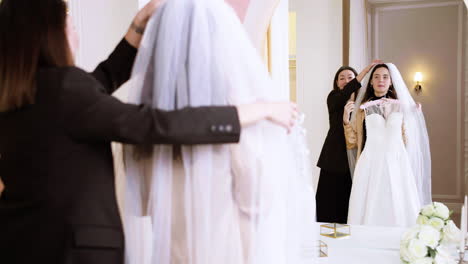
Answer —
(417, 139)
(196, 53)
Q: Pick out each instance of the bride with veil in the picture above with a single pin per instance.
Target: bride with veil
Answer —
(251, 202)
(392, 177)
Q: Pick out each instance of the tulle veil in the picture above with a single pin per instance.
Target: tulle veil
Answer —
(196, 53)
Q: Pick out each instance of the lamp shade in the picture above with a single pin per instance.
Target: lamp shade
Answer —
(418, 77)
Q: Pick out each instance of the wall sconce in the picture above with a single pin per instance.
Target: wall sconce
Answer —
(418, 79)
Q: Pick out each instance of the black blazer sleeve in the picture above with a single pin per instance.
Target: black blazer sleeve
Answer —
(89, 114)
(116, 70)
(337, 98)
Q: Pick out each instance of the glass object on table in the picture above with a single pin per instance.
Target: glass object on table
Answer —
(334, 230)
(322, 249)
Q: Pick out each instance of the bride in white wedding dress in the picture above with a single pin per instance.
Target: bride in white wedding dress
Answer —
(392, 175)
(246, 203)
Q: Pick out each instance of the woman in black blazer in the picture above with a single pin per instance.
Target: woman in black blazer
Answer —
(57, 121)
(334, 185)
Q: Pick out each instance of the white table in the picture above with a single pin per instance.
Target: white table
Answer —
(367, 244)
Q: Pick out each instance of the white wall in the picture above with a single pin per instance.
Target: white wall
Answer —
(101, 25)
(319, 55)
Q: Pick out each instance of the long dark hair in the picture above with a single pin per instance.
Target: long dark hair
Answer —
(342, 68)
(32, 35)
(370, 89)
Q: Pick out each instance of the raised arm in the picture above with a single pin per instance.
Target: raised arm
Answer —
(116, 69)
(367, 69)
(337, 99)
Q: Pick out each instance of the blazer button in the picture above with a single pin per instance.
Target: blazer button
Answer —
(213, 128)
(221, 128)
(228, 128)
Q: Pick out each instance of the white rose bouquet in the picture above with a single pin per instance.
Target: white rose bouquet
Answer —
(427, 242)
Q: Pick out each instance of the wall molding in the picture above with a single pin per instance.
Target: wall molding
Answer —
(382, 6)
(402, 5)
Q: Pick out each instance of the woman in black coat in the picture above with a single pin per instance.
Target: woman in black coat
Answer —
(58, 204)
(334, 185)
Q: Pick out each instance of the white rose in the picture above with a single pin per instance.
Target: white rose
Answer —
(423, 261)
(441, 211)
(429, 236)
(428, 210)
(405, 255)
(422, 220)
(451, 233)
(437, 223)
(417, 249)
(443, 256)
(410, 234)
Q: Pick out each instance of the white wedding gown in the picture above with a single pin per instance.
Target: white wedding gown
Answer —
(384, 190)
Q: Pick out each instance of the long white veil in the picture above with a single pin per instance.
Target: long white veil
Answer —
(417, 139)
(196, 53)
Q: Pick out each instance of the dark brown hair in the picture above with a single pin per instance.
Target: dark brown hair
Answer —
(337, 74)
(370, 89)
(32, 35)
